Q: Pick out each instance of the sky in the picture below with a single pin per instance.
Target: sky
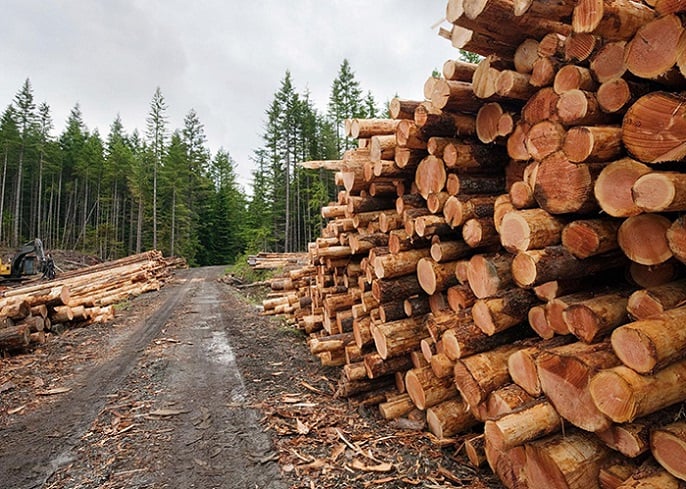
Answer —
(225, 59)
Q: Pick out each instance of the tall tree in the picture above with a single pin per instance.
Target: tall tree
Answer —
(72, 141)
(345, 102)
(26, 118)
(157, 135)
(44, 127)
(9, 138)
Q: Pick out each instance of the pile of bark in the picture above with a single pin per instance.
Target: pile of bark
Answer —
(78, 298)
(506, 256)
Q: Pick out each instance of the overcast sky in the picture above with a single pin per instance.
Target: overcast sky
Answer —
(223, 58)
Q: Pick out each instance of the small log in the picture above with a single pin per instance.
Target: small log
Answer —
(521, 365)
(612, 20)
(564, 187)
(668, 445)
(593, 318)
(617, 94)
(643, 239)
(608, 62)
(597, 143)
(506, 400)
(573, 77)
(366, 128)
(516, 142)
(427, 390)
(467, 339)
(530, 229)
(579, 107)
(613, 187)
(435, 277)
(653, 301)
(613, 474)
(660, 192)
(496, 314)
(676, 238)
(489, 274)
(397, 265)
(541, 106)
(544, 138)
(450, 418)
(514, 85)
(589, 237)
(402, 109)
(524, 425)
(398, 337)
(375, 366)
(535, 267)
(445, 251)
(475, 450)
(397, 407)
(566, 372)
(526, 53)
(458, 209)
(478, 375)
(650, 344)
(458, 70)
(579, 46)
(624, 395)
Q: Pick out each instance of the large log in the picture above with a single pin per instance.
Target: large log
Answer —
(569, 461)
(653, 50)
(449, 418)
(643, 239)
(590, 237)
(566, 373)
(613, 187)
(523, 425)
(530, 229)
(650, 344)
(593, 318)
(499, 313)
(624, 395)
(427, 390)
(398, 337)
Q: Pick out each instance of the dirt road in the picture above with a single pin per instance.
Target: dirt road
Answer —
(190, 387)
(162, 406)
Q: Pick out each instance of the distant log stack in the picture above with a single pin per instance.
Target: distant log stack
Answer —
(78, 298)
(534, 241)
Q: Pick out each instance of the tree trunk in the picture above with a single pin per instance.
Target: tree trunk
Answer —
(524, 425)
(613, 187)
(643, 239)
(668, 445)
(653, 301)
(449, 418)
(427, 390)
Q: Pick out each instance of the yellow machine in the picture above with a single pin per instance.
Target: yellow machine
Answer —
(29, 260)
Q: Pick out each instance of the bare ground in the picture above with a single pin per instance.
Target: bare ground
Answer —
(190, 387)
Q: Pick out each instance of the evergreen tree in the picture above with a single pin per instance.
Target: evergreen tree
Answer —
(10, 139)
(345, 102)
(26, 119)
(157, 135)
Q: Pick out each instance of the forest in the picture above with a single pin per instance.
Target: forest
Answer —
(162, 188)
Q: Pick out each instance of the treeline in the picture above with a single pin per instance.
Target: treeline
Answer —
(162, 188)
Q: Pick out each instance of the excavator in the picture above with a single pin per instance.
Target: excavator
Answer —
(30, 259)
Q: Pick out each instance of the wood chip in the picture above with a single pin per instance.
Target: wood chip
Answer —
(168, 412)
(302, 428)
(16, 409)
(382, 467)
(52, 392)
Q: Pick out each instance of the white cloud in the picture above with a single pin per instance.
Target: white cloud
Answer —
(225, 59)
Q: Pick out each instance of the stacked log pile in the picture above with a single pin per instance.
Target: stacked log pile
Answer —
(78, 298)
(507, 255)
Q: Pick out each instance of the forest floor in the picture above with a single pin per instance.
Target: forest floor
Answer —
(191, 387)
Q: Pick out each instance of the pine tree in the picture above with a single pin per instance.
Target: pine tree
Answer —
(345, 102)
(10, 139)
(72, 141)
(26, 118)
(157, 135)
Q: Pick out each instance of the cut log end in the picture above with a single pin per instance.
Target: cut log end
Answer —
(634, 349)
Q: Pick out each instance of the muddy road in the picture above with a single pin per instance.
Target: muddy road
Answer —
(190, 387)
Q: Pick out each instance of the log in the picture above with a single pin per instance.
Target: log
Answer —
(613, 475)
(569, 461)
(366, 128)
(653, 50)
(399, 264)
(611, 20)
(522, 195)
(454, 69)
(478, 375)
(467, 339)
(524, 425)
(668, 446)
(435, 277)
(427, 390)
(660, 192)
(624, 395)
(467, 184)
(13, 337)
(535, 267)
(397, 407)
(514, 85)
(402, 109)
(566, 372)
(530, 229)
(597, 143)
(613, 187)
(506, 400)
(460, 297)
(398, 337)
(573, 77)
(676, 238)
(526, 53)
(654, 128)
(579, 107)
(496, 314)
(541, 106)
(516, 142)
(593, 318)
(608, 62)
(589, 237)
(387, 290)
(643, 239)
(450, 418)
(653, 343)
(521, 365)
(480, 233)
(459, 209)
(564, 187)
(430, 176)
(653, 301)
(376, 366)
(544, 138)
(489, 274)
(617, 94)
(475, 450)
